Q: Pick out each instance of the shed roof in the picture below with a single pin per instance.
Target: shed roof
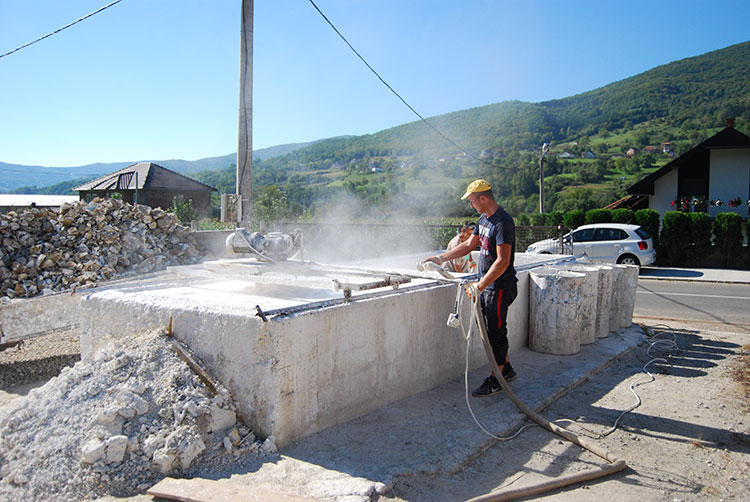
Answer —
(143, 175)
(729, 137)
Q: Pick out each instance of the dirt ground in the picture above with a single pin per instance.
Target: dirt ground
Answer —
(688, 440)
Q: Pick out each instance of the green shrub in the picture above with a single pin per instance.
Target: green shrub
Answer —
(675, 237)
(554, 218)
(623, 216)
(537, 219)
(574, 218)
(649, 220)
(183, 209)
(728, 236)
(700, 238)
(522, 220)
(598, 216)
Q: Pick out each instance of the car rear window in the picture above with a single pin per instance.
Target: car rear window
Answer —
(642, 233)
(610, 234)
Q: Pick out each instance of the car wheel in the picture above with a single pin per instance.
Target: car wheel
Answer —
(629, 259)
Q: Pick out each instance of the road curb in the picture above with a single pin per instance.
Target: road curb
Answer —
(681, 279)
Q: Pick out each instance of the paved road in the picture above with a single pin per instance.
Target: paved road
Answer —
(694, 301)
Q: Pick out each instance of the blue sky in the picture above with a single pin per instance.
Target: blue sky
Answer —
(158, 79)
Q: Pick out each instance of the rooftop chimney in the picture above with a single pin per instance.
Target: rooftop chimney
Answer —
(729, 121)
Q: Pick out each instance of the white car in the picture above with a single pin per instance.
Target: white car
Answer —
(610, 242)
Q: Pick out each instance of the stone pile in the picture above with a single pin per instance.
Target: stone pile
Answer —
(46, 250)
(118, 423)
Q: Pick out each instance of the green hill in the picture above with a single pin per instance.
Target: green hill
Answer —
(411, 166)
(410, 169)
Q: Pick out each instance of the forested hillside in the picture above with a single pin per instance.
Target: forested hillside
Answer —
(659, 114)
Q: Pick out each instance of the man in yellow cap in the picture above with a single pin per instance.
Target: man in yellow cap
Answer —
(495, 233)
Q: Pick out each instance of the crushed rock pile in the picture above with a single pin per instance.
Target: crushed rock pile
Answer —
(45, 250)
(117, 424)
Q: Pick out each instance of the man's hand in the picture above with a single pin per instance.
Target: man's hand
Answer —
(472, 290)
(435, 259)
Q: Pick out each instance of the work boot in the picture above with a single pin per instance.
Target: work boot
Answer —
(490, 387)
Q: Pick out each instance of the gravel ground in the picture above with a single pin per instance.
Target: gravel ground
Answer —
(38, 359)
(688, 440)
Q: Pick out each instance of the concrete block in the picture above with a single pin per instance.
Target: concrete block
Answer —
(554, 311)
(589, 300)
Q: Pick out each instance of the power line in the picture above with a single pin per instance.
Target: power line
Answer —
(60, 29)
(449, 140)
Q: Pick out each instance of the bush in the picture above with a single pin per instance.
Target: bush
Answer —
(728, 236)
(675, 237)
(700, 237)
(598, 216)
(553, 219)
(574, 218)
(537, 219)
(522, 220)
(649, 220)
(183, 209)
(623, 216)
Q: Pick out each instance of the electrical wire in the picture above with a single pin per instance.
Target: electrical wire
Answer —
(60, 29)
(446, 138)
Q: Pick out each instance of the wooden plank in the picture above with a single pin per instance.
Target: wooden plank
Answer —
(208, 490)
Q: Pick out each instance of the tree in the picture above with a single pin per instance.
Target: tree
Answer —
(183, 209)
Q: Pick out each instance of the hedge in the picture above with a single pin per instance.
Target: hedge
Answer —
(728, 236)
(700, 238)
(574, 218)
(675, 237)
(650, 221)
(598, 216)
(623, 216)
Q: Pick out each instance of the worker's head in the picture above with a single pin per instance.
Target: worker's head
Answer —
(479, 193)
(466, 230)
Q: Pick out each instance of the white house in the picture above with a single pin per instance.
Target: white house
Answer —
(717, 170)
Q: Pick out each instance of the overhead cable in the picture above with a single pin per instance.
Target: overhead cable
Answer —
(60, 29)
(446, 138)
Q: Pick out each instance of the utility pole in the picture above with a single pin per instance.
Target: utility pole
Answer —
(245, 141)
(545, 149)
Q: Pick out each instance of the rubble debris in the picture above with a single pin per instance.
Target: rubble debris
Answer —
(116, 424)
(45, 250)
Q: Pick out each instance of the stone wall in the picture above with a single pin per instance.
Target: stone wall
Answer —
(45, 250)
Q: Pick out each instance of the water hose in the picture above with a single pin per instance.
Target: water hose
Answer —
(614, 464)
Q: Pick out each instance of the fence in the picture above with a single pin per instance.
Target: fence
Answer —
(548, 239)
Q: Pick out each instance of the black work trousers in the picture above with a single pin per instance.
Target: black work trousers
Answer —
(495, 311)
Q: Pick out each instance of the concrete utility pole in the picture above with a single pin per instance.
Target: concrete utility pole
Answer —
(245, 143)
(545, 149)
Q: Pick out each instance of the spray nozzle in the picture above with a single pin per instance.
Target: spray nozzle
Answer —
(453, 320)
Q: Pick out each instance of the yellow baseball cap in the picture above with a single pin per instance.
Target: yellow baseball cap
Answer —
(476, 186)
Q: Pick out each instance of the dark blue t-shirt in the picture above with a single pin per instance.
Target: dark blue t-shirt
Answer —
(497, 229)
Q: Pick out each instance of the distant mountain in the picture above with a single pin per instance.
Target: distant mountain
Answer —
(13, 176)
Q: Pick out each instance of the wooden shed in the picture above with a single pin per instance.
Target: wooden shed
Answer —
(149, 184)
